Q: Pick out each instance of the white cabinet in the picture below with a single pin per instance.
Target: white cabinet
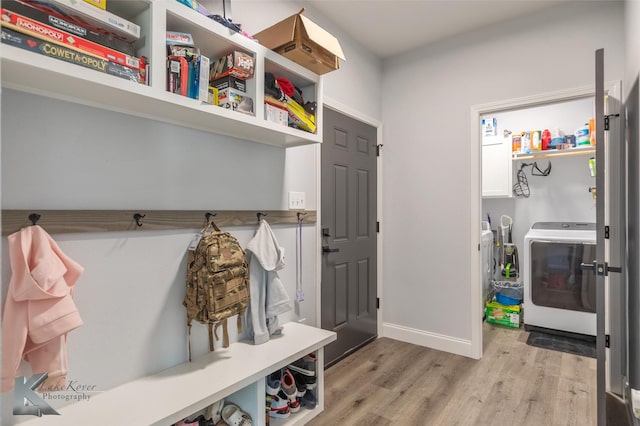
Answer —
(497, 175)
(31, 72)
(236, 374)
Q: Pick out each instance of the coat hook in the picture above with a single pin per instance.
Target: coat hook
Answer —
(137, 218)
(34, 218)
(209, 216)
(260, 214)
(300, 214)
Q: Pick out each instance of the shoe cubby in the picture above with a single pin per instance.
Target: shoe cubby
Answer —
(235, 374)
(314, 386)
(31, 72)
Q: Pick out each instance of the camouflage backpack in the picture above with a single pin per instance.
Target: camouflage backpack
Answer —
(217, 282)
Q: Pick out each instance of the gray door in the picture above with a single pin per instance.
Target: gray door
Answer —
(611, 234)
(349, 233)
(632, 367)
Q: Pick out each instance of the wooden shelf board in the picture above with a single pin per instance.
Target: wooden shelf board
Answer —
(71, 221)
(588, 150)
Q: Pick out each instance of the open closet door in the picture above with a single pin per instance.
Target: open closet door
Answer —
(611, 244)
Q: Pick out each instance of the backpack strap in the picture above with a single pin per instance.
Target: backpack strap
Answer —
(189, 334)
(209, 224)
(211, 347)
(225, 333)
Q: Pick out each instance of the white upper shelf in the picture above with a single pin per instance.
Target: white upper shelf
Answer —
(30, 72)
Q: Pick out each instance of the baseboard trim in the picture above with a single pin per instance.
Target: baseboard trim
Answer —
(427, 339)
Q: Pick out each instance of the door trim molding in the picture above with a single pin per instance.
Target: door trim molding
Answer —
(476, 185)
(357, 115)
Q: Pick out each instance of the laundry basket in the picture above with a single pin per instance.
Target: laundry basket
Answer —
(508, 292)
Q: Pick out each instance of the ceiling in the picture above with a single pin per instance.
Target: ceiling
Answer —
(391, 27)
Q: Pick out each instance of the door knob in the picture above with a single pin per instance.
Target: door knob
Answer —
(327, 249)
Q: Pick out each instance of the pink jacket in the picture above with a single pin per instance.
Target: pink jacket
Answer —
(39, 310)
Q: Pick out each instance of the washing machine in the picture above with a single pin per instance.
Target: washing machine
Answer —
(558, 294)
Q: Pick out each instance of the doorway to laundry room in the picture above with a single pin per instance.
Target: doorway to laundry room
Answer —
(545, 225)
(538, 215)
(538, 177)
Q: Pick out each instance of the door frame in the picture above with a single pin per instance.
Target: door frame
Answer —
(476, 186)
(356, 115)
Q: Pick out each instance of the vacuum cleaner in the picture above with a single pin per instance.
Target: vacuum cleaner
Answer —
(508, 254)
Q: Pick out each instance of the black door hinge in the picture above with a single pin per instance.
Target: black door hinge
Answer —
(378, 147)
(377, 226)
(377, 303)
(607, 341)
(606, 120)
(606, 232)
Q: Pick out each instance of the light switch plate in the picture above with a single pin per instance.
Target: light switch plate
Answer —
(296, 200)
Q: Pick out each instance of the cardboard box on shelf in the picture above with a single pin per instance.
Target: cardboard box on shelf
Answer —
(102, 4)
(276, 115)
(229, 82)
(301, 118)
(235, 64)
(497, 313)
(212, 99)
(235, 100)
(304, 42)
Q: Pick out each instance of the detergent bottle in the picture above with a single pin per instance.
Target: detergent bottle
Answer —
(582, 135)
(546, 139)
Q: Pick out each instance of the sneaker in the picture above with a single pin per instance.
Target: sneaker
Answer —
(305, 365)
(233, 415)
(294, 404)
(301, 383)
(288, 385)
(214, 411)
(273, 382)
(309, 382)
(278, 407)
(308, 400)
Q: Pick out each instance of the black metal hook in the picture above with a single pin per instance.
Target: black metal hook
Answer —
(300, 214)
(34, 218)
(208, 216)
(260, 214)
(137, 218)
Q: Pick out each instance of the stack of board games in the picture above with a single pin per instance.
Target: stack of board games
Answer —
(75, 32)
(228, 74)
(187, 69)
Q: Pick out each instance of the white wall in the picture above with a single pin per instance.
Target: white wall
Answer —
(59, 155)
(427, 186)
(130, 296)
(632, 43)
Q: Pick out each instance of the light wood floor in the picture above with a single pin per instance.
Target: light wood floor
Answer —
(394, 383)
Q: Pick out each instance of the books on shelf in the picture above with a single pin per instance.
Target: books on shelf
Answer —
(188, 76)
